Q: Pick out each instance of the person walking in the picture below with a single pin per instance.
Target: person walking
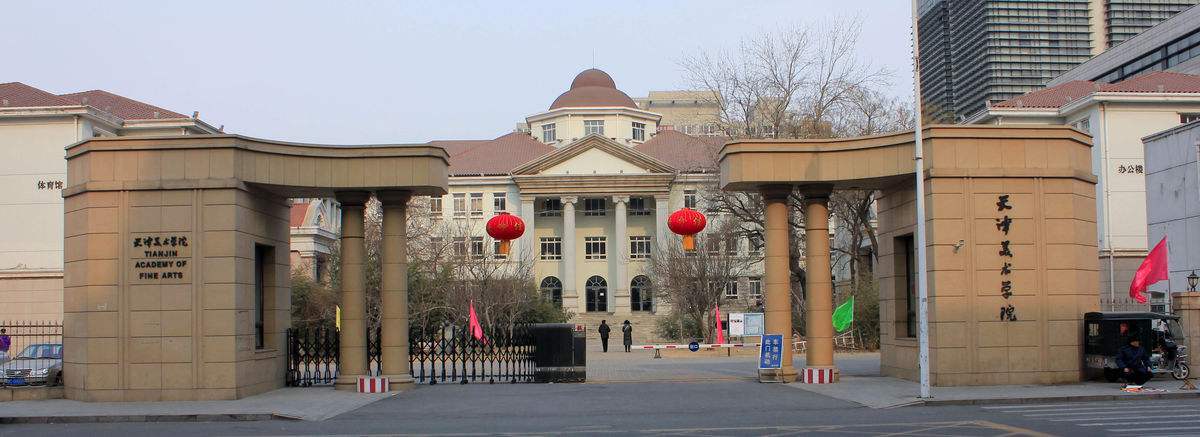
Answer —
(627, 333)
(5, 344)
(1134, 362)
(604, 330)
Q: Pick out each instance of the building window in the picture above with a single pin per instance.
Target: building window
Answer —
(637, 206)
(639, 247)
(593, 127)
(689, 199)
(754, 245)
(551, 248)
(460, 247)
(595, 248)
(476, 204)
(262, 255)
(477, 247)
(755, 289)
(641, 296)
(1189, 117)
(1084, 125)
(551, 208)
(552, 289)
(731, 291)
(904, 245)
(548, 134)
(435, 206)
(460, 205)
(499, 202)
(496, 251)
(597, 294)
(593, 207)
(731, 246)
(639, 131)
(713, 245)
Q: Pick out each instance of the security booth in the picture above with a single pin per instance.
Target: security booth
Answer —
(560, 352)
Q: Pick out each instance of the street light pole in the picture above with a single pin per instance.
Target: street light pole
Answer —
(922, 284)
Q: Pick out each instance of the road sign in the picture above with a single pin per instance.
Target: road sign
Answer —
(693, 346)
(755, 324)
(737, 324)
(770, 354)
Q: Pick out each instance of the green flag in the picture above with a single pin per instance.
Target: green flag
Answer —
(843, 316)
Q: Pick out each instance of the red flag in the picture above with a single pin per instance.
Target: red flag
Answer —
(476, 328)
(1153, 269)
(720, 332)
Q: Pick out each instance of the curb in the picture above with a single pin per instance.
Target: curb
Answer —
(148, 418)
(1081, 398)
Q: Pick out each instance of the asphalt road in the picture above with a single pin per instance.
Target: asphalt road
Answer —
(664, 408)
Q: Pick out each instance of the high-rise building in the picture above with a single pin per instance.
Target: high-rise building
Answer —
(976, 52)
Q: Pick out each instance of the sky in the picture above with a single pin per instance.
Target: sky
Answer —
(359, 72)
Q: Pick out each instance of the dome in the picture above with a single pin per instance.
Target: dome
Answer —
(593, 88)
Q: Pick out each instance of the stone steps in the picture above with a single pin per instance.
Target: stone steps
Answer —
(644, 326)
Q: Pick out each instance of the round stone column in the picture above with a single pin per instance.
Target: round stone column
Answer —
(352, 339)
(818, 285)
(393, 292)
(778, 293)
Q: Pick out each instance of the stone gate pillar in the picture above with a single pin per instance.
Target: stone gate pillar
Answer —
(352, 342)
(818, 283)
(393, 294)
(778, 285)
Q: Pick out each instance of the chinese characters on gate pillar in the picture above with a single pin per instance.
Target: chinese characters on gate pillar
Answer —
(1007, 312)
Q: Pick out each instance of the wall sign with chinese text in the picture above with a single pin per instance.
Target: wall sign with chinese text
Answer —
(161, 258)
(1008, 313)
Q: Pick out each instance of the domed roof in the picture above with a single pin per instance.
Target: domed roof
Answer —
(593, 88)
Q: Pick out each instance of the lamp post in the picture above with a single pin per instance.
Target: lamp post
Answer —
(1192, 280)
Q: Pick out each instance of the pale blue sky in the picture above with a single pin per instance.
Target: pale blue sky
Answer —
(392, 72)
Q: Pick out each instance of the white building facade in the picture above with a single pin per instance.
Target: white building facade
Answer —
(1173, 201)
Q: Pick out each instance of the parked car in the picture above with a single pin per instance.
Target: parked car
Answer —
(37, 364)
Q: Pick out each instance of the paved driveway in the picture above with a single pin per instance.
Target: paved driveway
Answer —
(641, 366)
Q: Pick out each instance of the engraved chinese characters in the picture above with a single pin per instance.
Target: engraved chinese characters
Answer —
(1007, 312)
(160, 258)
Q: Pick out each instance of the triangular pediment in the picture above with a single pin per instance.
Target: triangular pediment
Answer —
(591, 155)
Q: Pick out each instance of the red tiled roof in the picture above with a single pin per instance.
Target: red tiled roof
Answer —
(18, 95)
(686, 153)
(1061, 95)
(593, 88)
(299, 211)
(119, 106)
(492, 157)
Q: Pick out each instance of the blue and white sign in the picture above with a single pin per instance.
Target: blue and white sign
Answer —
(770, 354)
(693, 346)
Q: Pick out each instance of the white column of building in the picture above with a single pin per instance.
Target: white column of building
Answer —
(660, 219)
(570, 287)
(528, 247)
(618, 252)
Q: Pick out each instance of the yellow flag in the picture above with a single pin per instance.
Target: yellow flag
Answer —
(337, 320)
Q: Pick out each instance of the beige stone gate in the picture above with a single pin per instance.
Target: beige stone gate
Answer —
(1012, 267)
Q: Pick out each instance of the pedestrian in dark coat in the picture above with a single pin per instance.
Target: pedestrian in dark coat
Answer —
(1134, 362)
(627, 332)
(604, 330)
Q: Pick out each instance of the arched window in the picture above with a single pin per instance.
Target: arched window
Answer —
(597, 294)
(641, 296)
(552, 288)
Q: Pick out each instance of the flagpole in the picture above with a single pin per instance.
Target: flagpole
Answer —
(918, 158)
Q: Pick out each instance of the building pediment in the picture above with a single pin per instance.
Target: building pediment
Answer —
(594, 155)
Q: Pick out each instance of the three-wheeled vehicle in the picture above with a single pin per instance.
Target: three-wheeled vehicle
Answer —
(1104, 333)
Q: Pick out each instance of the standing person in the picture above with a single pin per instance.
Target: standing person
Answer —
(5, 343)
(1134, 362)
(627, 333)
(604, 330)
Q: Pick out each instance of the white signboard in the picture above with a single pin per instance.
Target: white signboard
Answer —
(737, 323)
(754, 323)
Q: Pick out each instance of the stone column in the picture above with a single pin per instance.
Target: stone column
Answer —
(570, 290)
(393, 292)
(818, 282)
(529, 241)
(661, 211)
(777, 295)
(619, 253)
(352, 340)
(1187, 307)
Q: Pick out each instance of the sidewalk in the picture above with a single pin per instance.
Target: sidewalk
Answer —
(884, 392)
(316, 403)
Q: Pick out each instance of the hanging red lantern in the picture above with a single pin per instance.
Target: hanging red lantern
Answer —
(505, 227)
(687, 222)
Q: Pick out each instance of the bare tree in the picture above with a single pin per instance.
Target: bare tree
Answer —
(693, 282)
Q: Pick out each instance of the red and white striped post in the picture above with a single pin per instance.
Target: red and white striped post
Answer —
(372, 384)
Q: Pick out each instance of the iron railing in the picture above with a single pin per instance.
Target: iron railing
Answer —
(37, 348)
(25, 333)
(453, 355)
(312, 357)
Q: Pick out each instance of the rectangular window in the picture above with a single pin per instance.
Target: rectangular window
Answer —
(637, 206)
(499, 202)
(731, 245)
(460, 247)
(689, 199)
(1188, 117)
(731, 291)
(639, 247)
(593, 127)
(904, 245)
(551, 208)
(713, 245)
(477, 247)
(460, 205)
(593, 206)
(476, 204)
(548, 134)
(595, 248)
(496, 251)
(755, 287)
(1084, 125)
(551, 248)
(639, 131)
(435, 207)
(260, 291)
(754, 245)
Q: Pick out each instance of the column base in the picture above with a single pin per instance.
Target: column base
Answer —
(820, 375)
(784, 375)
(346, 382)
(400, 382)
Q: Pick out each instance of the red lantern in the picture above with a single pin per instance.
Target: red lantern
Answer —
(687, 222)
(505, 227)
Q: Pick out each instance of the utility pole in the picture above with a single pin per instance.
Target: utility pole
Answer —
(922, 278)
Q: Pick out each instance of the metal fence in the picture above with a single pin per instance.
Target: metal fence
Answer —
(453, 355)
(312, 357)
(24, 333)
(34, 353)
